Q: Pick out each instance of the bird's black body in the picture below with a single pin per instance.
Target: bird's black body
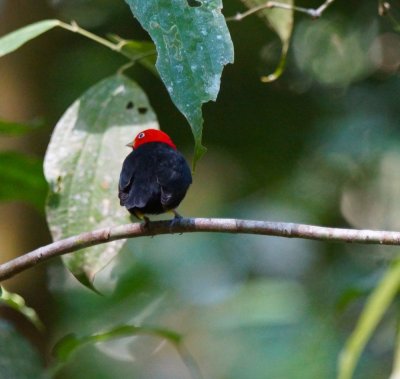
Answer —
(154, 179)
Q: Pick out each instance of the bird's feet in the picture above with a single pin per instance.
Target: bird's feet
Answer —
(139, 215)
(176, 214)
(146, 221)
(177, 218)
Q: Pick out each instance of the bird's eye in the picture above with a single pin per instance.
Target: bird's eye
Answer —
(140, 135)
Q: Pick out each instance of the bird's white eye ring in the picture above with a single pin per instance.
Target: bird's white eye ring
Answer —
(140, 135)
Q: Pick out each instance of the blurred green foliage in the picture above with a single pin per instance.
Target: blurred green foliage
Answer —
(22, 179)
(18, 359)
(320, 145)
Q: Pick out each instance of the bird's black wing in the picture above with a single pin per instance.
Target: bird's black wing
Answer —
(174, 177)
(138, 187)
(126, 178)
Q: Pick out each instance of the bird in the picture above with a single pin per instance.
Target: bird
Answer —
(155, 176)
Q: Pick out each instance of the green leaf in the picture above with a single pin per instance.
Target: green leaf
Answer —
(396, 364)
(17, 302)
(82, 166)
(67, 346)
(16, 128)
(16, 39)
(64, 348)
(22, 179)
(281, 22)
(18, 360)
(193, 45)
(376, 306)
(348, 296)
(144, 52)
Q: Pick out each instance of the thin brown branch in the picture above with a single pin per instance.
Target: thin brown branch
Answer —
(312, 12)
(191, 225)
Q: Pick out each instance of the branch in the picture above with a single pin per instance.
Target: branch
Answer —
(191, 225)
(313, 12)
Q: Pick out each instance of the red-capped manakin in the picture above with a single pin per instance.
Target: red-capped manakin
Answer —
(155, 176)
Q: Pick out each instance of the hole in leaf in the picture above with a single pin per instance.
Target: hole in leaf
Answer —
(129, 105)
(142, 110)
(194, 3)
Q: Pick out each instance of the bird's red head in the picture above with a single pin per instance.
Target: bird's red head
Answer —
(151, 135)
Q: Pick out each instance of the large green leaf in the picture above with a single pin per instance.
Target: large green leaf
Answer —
(22, 179)
(281, 22)
(193, 45)
(14, 40)
(83, 162)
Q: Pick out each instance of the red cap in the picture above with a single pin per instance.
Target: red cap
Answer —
(151, 135)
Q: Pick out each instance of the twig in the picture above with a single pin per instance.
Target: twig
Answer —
(117, 47)
(191, 225)
(313, 12)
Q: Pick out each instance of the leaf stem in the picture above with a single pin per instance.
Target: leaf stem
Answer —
(75, 28)
(117, 47)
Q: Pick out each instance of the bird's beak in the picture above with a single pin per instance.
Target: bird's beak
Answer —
(130, 144)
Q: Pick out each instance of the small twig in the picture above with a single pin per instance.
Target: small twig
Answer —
(75, 28)
(117, 47)
(313, 12)
(190, 225)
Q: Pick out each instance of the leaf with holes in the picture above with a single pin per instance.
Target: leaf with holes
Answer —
(281, 22)
(193, 45)
(82, 166)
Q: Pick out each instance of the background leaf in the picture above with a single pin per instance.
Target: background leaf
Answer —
(193, 45)
(83, 162)
(16, 128)
(17, 303)
(281, 22)
(67, 346)
(16, 39)
(22, 179)
(18, 360)
(376, 306)
(70, 343)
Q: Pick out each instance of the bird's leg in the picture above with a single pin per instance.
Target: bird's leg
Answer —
(146, 221)
(176, 214)
(139, 215)
(176, 218)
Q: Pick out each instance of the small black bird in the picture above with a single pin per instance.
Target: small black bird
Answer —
(154, 177)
